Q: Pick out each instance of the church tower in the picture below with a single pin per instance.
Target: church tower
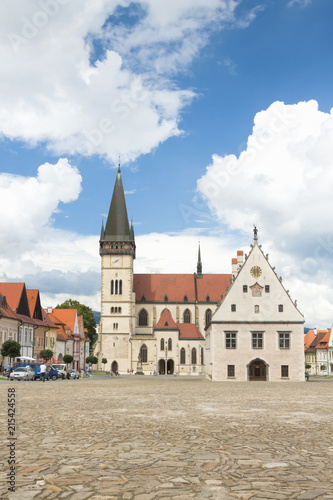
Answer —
(117, 251)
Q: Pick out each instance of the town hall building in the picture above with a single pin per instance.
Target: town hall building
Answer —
(239, 326)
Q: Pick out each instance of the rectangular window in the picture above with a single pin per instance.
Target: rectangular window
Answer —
(256, 309)
(284, 371)
(257, 340)
(230, 340)
(233, 307)
(280, 308)
(231, 371)
(284, 340)
(267, 290)
(244, 288)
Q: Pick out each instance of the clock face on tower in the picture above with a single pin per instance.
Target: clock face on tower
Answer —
(256, 271)
(115, 262)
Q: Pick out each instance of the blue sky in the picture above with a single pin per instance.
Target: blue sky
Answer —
(211, 106)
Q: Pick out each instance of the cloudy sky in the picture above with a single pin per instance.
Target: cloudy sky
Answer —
(220, 112)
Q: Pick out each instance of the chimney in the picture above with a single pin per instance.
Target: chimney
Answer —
(234, 267)
(240, 257)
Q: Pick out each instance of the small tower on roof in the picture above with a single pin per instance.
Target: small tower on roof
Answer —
(199, 264)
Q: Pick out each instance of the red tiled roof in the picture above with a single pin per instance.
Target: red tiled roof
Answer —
(189, 331)
(166, 321)
(6, 311)
(32, 298)
(240, 252)
(154, 287)
(67, 316)
(318, 338)
(309, 338)
(47, 320)
(323, 341)
(12, 292)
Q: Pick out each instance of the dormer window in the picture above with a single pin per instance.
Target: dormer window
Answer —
(185, 298)
(166, 298)
(208, 298)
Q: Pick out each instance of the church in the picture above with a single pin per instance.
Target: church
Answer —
(241, 326)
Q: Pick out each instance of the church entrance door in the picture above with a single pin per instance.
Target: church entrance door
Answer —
(258, 370)
(114, 367)
(170, 367)
(161, 367)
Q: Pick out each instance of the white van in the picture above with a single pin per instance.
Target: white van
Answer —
(62, 369)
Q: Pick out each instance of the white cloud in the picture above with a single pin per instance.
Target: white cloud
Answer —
(29, 202)
(282, 183)
(301, 3)
(56, 89)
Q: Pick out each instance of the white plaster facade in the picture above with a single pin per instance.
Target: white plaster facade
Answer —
(257, 332)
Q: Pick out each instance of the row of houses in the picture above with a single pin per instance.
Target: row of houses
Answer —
(318, 348)
(23, 319)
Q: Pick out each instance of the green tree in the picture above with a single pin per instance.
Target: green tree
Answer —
(46, 354)
(104, 361)
(307, 366)
(11, 349)
(68, 359)
(89, 320)
(92, 360)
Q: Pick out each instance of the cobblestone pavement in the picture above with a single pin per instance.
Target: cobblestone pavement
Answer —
(144, 438)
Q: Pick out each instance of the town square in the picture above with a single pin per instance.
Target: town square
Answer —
(146, 438)
(166, 249)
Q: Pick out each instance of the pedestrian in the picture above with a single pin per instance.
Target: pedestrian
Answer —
(82, 372)
(307, 375)
(42, 371)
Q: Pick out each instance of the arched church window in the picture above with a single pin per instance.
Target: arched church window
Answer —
(112, 287)
(143, 317)
(116, 287)
(120, 287)
(202, 356)
(182, 356)
(144, 353)
(208, 316)
(194, 356)
(170, 345)
(162, 344)
(187, 316)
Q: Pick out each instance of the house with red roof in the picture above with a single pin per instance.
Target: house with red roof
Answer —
(17, 300)
(237, 326)
(69, 319)
(9, 324)
(41, 327)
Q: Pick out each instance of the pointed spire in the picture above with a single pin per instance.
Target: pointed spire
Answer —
(199, 264)
(117, 227)
(102, 232)
(132, 232)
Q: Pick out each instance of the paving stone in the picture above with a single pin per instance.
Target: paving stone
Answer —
(168, 438)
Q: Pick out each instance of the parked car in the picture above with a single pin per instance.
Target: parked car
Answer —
(50, 374)
(23, 373)
(61, 369)
(73, 374)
